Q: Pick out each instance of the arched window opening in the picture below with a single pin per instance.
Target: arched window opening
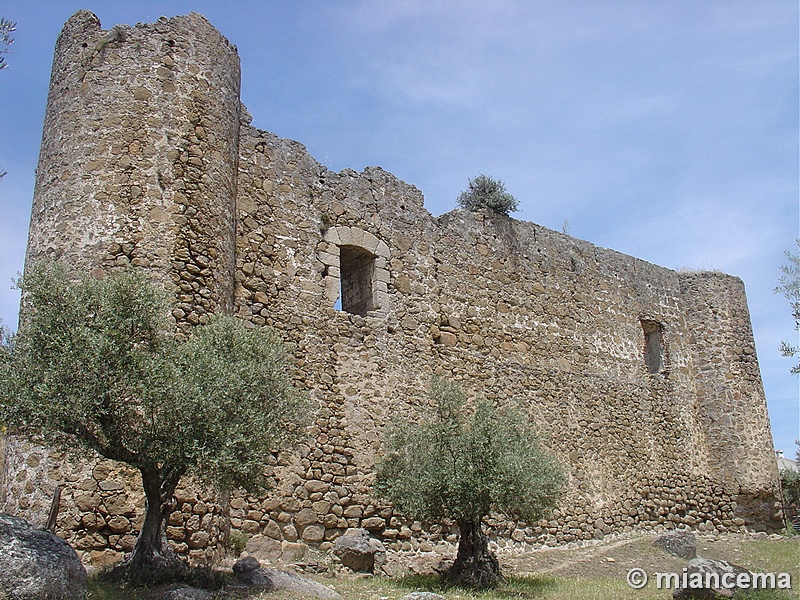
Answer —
(357, 273)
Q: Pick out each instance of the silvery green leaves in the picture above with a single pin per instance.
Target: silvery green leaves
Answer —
(95, 362)
(790, 288)
(96, 365)
(460, 460)
(487, 193)
(6, 29)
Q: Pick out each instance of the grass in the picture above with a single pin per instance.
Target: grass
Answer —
(380, 588)
(781, 556)
(538, 588)
(766, 595)
(376, 588)
(102, 587)
(543, 588)
(102, 590)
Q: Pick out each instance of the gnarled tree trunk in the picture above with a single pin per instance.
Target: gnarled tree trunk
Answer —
(475, 565)
(153, 560)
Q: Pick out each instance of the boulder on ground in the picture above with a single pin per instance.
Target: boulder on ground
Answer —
(283, 580)
(249, 573)
(360, 552)
(35, 564)
(430, 564)
(681, 543)
(188, 594)
(709, 579)
(293, 551)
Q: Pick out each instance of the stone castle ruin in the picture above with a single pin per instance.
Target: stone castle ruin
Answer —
(643, 381)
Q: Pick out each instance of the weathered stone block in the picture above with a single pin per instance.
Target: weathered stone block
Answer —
(313, 534)
(359, 552)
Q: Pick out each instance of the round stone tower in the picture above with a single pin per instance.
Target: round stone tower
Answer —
(139, 156)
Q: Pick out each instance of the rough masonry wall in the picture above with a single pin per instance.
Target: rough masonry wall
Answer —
(512, 310)
(139, 154)
(729, 390)
(102, 505)
(643, 381)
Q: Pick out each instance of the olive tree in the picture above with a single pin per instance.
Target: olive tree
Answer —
(6, 29)
(790, 288)
(790, 480)
(459, 462)
(790, 487)
(6, 340)
(95, 366)
(485, 192)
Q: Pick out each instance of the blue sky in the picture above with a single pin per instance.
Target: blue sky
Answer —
(667, 130)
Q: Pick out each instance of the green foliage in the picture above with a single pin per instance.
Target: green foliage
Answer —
(6, 340)
(790, 288)
(460, 464)
(790, 485)
(6, 29)
(485, 192)
(95, 365)
(236, 382)
(237, 541)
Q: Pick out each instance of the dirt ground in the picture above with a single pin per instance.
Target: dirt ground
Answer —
(615, 557)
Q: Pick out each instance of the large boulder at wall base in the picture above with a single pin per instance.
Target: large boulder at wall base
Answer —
(188, 594)
(360, 552)
(680, 543)
(709, 579)
(283, 580)
(37, 565)
(250, 574)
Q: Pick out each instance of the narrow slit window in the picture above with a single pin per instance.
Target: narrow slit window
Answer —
(357, 272)
(653, 345)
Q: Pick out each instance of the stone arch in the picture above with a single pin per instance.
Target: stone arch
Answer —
(356, 267)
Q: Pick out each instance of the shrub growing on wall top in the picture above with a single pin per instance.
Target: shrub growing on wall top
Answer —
(486, 192)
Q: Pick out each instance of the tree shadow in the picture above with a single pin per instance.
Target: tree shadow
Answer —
(510, 587)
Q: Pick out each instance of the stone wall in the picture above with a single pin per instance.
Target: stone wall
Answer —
(643, 381)
(102, 505)
(512, 310)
